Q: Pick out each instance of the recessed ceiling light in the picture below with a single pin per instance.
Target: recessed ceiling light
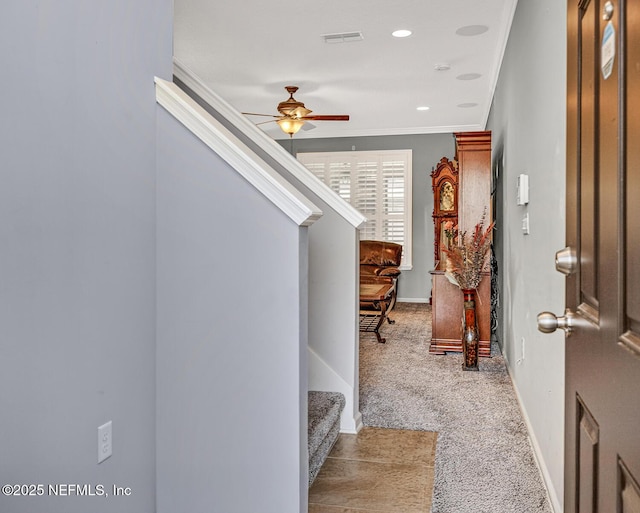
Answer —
(424, 107)
(401, 33)
(472, 30)
(468, 76)
(442, 67)
(467, 105)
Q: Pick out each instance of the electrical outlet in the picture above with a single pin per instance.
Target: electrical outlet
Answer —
(105, 441)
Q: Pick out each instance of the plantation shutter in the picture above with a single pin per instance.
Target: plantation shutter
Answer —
(376, 183)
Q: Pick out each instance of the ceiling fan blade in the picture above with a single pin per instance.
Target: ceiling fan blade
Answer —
(265, 122)
(255, 114)
(328, 117)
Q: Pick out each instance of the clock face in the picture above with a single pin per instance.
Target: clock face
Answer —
(447, 197)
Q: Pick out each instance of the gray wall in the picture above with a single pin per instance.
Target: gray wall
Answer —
(333, 306)
(232, 338)
(528, 124)
(77, 225)
(415, 284)
(333, 289)
(333, 301)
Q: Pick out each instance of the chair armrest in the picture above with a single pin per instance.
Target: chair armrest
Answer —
(390, 271)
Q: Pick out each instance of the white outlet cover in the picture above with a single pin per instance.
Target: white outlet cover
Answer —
(105, 441)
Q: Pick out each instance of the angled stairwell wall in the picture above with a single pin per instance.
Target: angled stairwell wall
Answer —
(231, 362)
(333, 257)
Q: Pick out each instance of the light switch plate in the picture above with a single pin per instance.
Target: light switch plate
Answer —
(105, 441)
(522, 197)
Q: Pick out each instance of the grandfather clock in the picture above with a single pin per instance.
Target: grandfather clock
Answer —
(472, 185)
(444, 182)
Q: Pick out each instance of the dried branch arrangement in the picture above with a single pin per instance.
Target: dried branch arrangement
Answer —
(467, 256)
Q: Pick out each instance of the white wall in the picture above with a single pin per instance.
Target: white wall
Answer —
(77, 251)
(528, 124)
(232, 338)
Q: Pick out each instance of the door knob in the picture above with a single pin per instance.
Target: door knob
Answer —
(566, 261)
(549, 322)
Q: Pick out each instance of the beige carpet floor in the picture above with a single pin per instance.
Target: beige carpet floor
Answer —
(484, 462)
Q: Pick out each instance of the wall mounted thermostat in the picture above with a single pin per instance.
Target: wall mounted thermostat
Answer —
(522, 197)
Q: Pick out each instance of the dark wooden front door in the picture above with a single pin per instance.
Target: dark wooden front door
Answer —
(602, 453)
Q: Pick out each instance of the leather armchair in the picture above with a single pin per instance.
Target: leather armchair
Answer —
(379, 263)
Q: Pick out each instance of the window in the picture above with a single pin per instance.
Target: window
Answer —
(378, 184)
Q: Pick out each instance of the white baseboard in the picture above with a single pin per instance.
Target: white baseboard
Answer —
(358, 423)
(412, 300)
(537, 453)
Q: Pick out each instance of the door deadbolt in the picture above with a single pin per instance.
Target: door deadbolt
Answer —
(567, 261)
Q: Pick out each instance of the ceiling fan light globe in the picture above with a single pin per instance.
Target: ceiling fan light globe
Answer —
(290, 125)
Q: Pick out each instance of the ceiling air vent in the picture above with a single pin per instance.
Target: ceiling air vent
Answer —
(343, 37)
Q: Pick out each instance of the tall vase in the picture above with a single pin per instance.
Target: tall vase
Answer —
(470, 332)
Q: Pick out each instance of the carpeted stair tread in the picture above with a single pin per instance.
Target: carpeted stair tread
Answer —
(323, 427)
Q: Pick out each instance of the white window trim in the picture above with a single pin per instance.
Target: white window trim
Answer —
(360, 156)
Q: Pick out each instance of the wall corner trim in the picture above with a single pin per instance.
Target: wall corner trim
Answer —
(268, 145)
(255, 170)
(503, 40)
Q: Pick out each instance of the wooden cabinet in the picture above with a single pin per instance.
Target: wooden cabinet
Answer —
(447, 312)
(473, 153)
(473, 188)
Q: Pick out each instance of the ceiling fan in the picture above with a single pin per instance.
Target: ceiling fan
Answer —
(293, 114)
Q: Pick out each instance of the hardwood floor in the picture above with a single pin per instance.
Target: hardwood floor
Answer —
(378, 470)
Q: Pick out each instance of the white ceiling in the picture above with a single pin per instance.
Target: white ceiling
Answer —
(248, 50)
